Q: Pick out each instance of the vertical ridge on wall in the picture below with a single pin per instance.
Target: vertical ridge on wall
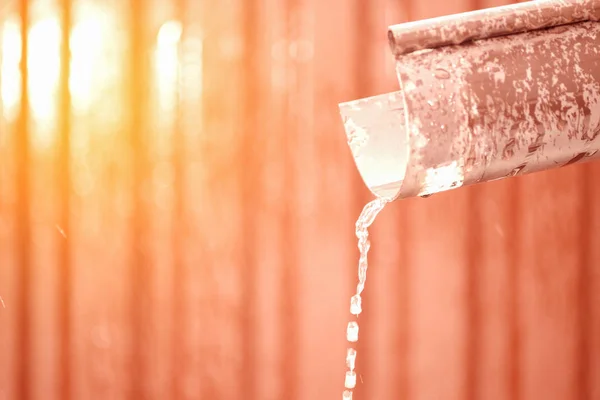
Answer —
(290, 222)
(474, 257)
(213, 107)
(491, 286)
(140, 268)
(307, 271)
(548, 277)
(221, 213)
(64, 195)
(270, 232)
(23, 233)
(249, 146)
(592, 353)
(583, 288)
(514, 205)
(179, 224)
(190, 375)
(585, 281)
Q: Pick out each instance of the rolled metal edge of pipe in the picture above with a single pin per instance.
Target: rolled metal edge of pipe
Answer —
(481, 111)
(487, 23)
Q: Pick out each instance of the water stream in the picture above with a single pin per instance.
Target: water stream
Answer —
(366, 218)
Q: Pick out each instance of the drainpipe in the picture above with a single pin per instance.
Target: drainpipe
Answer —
(483, 95)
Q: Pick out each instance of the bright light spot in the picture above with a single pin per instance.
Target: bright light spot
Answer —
(89, 71)
(44, 68)
(443, 178)
(169, 33)
(10, 76)
(167, 64)
(88, 67)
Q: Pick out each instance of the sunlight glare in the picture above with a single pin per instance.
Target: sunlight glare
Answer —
(89, 38)
(88, 66)
(44, 68)
(169, 33)
(167, 64)
(10, 75)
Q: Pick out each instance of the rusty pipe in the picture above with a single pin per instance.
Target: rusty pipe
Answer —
(483, 95)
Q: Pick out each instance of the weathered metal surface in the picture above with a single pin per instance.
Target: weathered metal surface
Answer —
(482, 24)
(481, 111)
(500, 107)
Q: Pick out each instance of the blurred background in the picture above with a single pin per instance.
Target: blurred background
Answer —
(177, 207)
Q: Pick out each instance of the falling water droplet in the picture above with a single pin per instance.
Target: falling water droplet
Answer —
(347, 395)
(350, 381)
(350, 358)
(352, 332)
(441, 74)
(355, 305)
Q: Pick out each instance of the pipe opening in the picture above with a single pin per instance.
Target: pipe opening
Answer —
(379, 141)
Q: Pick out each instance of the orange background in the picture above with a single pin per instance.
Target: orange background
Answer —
(184, 229)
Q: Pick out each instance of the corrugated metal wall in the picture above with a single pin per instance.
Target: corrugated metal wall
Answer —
(184, 230)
